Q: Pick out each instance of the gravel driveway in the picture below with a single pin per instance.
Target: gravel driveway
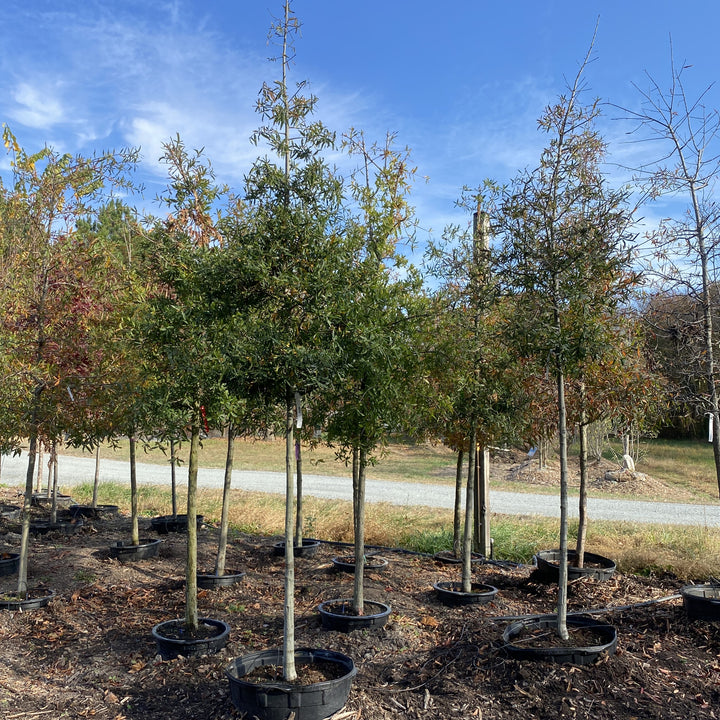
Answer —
(75, 470)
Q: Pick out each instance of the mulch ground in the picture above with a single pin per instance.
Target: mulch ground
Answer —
(90, 653)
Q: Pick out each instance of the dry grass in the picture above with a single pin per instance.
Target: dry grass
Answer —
(399, 461)
(690, 553)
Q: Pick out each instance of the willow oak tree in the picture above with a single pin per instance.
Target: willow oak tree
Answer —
(616, 387)
(468, 366)
(180, 332)
(295, 215)
(377, 338)
(564, 256)
(49, 193)
(687, 168)
(115, 232)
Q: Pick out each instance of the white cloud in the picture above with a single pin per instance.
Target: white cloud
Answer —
(36, 106)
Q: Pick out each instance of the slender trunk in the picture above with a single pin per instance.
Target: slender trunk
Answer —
(468, 534)
(299, 497)
(582, 501)
(482, 511)
(27, 499)
(96, 478)
(173, 478)
(542, 454)
(134, 529)
(191, 611)
(359, 465)
(53, 469)
(289, 672)
(48, 486)
(563, 578)
(38, 482)
(224, 517)
(457, 514)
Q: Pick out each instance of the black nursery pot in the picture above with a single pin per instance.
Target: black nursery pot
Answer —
(172, 641)
(211, 581)
(308, 548)
(9, 563)
(451, 593)
(165, 524)
(42, 527)
(338, 615)
(127, 552)
(277, 699)
(346, 563)
(574, 655)
(595, 566)
(37, 600)
(89, 511)
(702, 602)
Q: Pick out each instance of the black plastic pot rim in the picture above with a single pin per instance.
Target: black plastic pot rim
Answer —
(386, 608)
(220, 624)
(276, 654)
(143, 543)
(578, 619)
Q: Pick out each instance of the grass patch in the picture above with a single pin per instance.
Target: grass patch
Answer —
(690, 553)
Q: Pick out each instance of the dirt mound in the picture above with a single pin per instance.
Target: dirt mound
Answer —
(603, 475)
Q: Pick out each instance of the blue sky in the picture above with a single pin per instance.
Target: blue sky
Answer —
(462, 83)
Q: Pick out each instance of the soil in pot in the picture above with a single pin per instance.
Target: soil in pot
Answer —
(35, 598)
(536, 639)
(173, 638)
(594, 566)
(322, 687)
(211, 581)
(127, 552)
(451, 593)
(308, 548)
(9, 563)
(702, 602)
(346, 563)
(339, 615)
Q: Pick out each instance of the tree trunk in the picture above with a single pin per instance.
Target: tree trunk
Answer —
(582, 501)
(468, 534)
(482, 502)
(289, 672)
(96, 477)
(27, 501)
(53, 470)
(173, 478)
(299, 497)
(457, 514)
(38, 483)
(563, 575)
(191, 611)
(224, 517)
(359, 465)
(134, 530)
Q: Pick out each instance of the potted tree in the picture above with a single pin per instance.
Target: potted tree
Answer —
(54, 283)
(177, 327)
(564, 257)
(293, 232)
(378, 351)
